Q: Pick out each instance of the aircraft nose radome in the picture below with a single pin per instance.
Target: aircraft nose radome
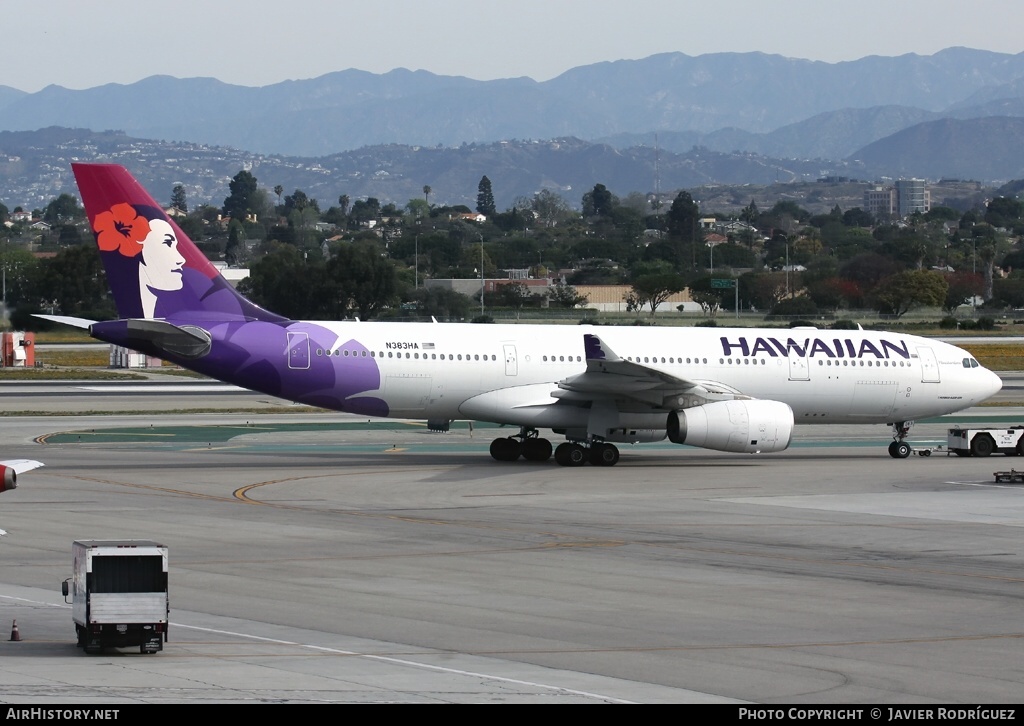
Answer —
(993, 385)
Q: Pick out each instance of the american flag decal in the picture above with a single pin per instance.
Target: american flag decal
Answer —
(428, 346)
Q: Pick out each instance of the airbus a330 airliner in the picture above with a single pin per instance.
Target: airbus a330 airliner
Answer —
(727, 389)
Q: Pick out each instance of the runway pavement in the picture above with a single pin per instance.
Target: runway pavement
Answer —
(321, 558)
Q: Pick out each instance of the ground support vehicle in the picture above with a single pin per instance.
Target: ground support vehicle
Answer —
(119, 595)
(985, 442)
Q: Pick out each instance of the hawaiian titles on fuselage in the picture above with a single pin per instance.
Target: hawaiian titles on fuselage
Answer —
(809, 347)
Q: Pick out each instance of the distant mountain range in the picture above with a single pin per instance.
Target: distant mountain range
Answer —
(666, 121)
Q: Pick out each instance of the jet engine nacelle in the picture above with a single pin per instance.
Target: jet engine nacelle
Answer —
(8, 478)
(748, 426)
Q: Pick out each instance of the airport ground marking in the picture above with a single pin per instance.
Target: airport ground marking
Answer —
(406, 662)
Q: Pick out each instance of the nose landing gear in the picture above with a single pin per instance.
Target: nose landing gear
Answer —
(899, 448)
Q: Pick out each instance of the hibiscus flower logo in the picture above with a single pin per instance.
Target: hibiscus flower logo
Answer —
(121, 229)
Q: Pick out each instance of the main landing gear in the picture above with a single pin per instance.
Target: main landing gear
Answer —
(899, 448)
(598, 453)
(528, 445)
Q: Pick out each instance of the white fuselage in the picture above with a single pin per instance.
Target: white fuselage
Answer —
(510, 373)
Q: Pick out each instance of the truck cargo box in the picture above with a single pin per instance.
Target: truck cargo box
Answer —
(119, 594)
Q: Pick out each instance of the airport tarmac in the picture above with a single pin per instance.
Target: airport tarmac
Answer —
(322, 558)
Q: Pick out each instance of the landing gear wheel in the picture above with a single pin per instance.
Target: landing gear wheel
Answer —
(902, 450)
(892, 449)
(569, 454)
(536, 449)
(604, 455)
(507, 449)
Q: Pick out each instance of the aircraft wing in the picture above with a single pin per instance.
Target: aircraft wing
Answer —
(21, 465)
(9, 471)
(610, 377)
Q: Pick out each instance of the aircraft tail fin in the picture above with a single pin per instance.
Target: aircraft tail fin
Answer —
(153, 268)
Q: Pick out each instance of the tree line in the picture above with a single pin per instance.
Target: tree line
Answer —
(361, 258)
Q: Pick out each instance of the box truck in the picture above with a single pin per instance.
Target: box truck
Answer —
(119, 596)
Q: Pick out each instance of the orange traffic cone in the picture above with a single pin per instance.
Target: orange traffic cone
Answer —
(15, 634)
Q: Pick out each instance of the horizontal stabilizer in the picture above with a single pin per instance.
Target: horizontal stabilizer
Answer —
(155, 337)
(66, 320)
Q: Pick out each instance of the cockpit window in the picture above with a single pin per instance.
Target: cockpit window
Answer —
(974, 363)
(971, 363)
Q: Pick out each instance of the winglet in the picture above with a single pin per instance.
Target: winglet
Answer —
(597, 349)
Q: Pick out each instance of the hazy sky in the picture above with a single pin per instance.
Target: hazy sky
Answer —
(78, 44)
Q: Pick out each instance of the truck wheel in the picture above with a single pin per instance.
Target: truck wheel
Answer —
(983, 445)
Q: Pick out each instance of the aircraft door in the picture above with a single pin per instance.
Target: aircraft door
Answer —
(511, 362)
(298, 351)
(929, 366)
(798, 366)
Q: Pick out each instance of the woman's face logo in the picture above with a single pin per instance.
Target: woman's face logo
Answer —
(161, 261)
